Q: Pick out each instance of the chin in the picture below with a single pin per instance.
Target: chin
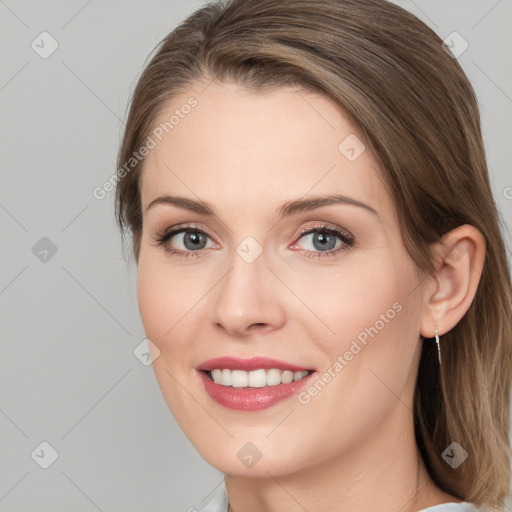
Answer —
(243, 458)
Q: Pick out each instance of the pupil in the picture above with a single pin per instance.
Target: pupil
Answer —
(323, 239)
(192, 240)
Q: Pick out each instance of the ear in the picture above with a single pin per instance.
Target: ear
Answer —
(459, 259)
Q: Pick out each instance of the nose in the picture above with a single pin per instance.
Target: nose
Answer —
(249, 299)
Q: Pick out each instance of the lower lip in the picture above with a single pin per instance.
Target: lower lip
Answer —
(251, 399)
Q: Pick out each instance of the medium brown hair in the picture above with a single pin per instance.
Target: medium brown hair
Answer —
(419, 117)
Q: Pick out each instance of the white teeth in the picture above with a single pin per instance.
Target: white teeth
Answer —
(255, 378)
(287, 377)
(226, 378)
(273, 377)
(217, 376)
(239, 379)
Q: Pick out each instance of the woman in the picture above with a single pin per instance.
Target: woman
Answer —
(321, 271)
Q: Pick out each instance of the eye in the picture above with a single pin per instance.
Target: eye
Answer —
(322, 241)
(189, 239)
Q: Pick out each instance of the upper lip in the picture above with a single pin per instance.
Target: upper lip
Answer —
(254, 363)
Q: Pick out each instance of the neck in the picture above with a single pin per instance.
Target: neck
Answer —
(382, 472)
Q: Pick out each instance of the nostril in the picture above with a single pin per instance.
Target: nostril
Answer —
(254, 326)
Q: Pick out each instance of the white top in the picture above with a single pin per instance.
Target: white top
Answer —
(219, 503)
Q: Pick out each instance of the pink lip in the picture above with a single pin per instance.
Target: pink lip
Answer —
(255, 363)
(250, 399)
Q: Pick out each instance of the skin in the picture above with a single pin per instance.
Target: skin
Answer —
(352, 446)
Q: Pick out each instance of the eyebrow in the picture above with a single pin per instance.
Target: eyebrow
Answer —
(285, 210)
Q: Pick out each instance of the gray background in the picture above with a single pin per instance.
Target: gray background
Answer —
(70, 323)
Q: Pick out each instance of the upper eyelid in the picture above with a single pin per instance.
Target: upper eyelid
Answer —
(325, 225)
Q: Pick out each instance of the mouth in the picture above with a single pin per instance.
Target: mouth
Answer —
(251, 384)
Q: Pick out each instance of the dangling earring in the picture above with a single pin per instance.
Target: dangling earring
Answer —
(438, 347)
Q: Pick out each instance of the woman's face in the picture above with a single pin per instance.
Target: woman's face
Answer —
(323, 292)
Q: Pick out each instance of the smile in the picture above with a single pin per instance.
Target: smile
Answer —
(251, 384)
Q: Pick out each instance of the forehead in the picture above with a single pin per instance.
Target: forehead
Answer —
(258, 148)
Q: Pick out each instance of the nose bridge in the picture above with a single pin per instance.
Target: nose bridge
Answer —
(247, 295)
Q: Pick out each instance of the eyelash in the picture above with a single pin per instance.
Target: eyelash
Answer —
(347, 239)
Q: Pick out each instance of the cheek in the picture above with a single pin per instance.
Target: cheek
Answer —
(370, 360)
(162, 310)
(373, 322)
(362, 299)
(161, 303)
(153, 302)
(168, 306)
